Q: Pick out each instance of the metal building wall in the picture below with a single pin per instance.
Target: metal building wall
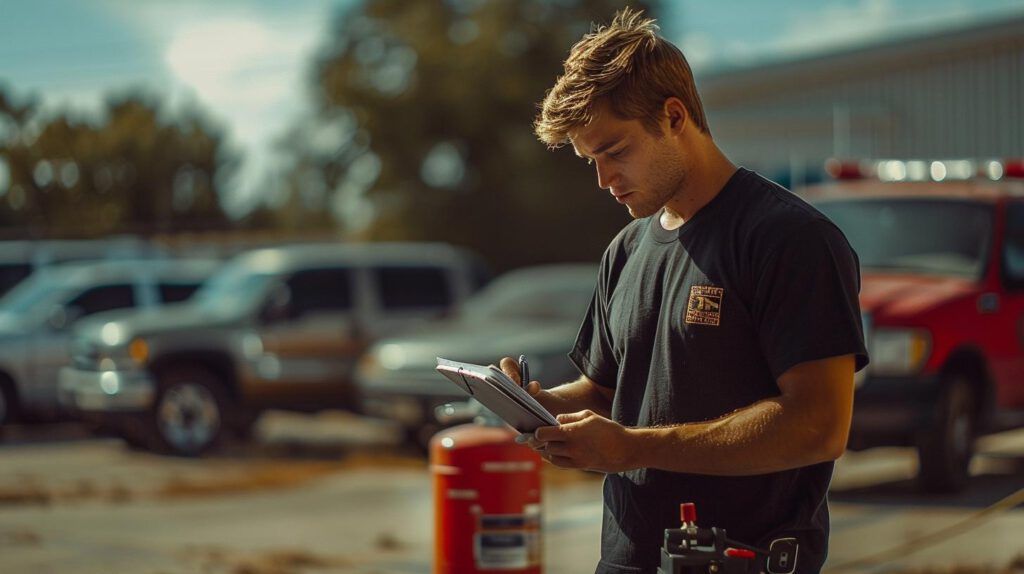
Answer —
(946, 100)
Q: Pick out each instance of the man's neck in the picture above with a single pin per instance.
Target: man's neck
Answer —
(706, 179)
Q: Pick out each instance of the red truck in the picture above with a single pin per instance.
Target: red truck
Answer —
(941, 248)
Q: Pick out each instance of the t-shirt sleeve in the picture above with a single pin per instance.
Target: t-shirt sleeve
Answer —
(593, 353)
(806, 301)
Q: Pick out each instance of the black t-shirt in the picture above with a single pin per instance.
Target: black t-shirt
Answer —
(691, 324)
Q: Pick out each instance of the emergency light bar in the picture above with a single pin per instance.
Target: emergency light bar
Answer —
(923, 170)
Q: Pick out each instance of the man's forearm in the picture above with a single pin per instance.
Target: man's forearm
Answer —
(767, 436)
(576, 396)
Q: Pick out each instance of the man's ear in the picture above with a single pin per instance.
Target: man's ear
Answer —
(675, 115)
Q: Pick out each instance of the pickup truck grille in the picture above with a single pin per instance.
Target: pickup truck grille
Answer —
(85, 356)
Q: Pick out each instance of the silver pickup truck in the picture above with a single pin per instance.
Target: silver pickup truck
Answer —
(535, 311)
(37, 316)
(276, 328)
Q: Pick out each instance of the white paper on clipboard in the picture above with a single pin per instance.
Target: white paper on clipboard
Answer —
(497, 392)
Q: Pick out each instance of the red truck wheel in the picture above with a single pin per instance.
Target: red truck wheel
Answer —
(947, 446)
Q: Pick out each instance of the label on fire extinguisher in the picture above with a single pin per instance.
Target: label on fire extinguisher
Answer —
(508, 541)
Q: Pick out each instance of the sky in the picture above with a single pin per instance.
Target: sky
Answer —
(246, 63)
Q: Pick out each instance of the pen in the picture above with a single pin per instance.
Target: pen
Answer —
(524, 371)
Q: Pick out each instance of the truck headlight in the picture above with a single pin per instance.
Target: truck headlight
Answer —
(899, 351)
(391, 357)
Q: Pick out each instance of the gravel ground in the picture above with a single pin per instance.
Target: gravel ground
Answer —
(336, 493)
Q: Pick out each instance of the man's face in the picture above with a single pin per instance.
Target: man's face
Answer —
(641, 170)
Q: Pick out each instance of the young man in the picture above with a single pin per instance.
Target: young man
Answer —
(719, 350)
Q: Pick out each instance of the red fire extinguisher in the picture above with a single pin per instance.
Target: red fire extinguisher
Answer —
(487, 497)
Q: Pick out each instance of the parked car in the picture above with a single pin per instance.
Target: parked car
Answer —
(943, 301)
(36, 319)
(277, 328)
(19, 259)
(535, 311)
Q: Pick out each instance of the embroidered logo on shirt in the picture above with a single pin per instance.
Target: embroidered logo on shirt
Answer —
(705, 305)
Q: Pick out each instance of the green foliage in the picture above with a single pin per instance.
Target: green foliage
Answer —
(431, 105)
(135, 171)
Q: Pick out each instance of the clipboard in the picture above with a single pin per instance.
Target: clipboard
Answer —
(497, 392)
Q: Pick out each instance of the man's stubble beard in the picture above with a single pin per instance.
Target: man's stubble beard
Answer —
(669, 181)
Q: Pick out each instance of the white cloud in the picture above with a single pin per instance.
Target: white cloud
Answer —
(836, 25)
(246, 66)
(807, 27)
(699, 49)
(241, 63)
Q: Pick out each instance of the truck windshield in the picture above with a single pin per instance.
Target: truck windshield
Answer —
(942, 237)
(531, 298)
(35, 295)
(233, 290)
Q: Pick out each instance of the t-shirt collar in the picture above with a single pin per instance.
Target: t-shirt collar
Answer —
(662, 235)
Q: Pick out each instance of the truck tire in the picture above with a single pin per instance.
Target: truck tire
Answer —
(189, 413)
(8, 402)
(5, 406)
(947, 446)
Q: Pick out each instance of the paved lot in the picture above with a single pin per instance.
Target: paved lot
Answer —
(335, 493)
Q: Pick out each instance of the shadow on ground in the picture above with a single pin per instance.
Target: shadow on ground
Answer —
(32, 433)
(1004, 476)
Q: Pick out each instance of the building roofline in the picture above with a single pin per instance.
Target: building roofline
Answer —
(722, 85)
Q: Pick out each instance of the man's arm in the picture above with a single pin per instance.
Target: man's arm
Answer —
(808, 423)
(579, 395)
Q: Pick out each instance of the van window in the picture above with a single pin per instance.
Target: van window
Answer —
(176, 292)
(414, 287)
(320, 290)
(1013, 247)
(104, 298)
(11, 274)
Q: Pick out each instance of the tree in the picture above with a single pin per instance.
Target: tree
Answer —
(424, 128)
(136, 170)
(15, 114)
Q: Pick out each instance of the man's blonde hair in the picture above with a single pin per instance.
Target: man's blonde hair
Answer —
(631, 67)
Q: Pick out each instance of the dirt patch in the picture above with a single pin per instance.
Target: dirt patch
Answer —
(213, 482)
(553, 476)
(280, 561)
(248, 479)
(382, 460)
(202, 478)
(35, 492)
(220, 477)
(284, 562)
(1015, 566)
(271, 474)
(119, 494)
(20, 537)
(29, 494)
(387, 542)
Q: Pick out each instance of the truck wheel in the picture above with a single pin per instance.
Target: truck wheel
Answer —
(189, 412)
(8, 402)
(4, 406)
(945, 450)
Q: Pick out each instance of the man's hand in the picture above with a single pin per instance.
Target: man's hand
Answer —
(584, 440)
(569, 397)
(547, 400)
